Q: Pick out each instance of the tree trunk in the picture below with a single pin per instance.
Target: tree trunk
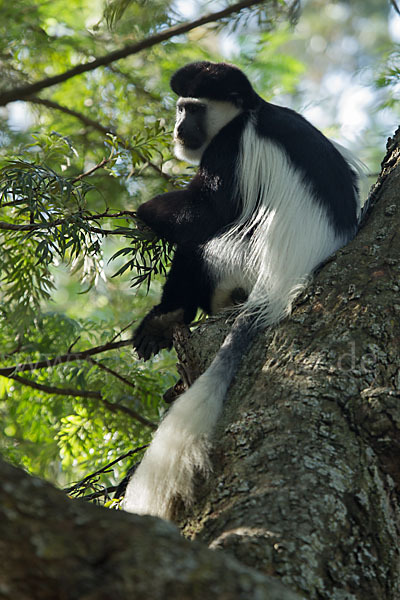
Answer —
(307, 459)
(304, 492)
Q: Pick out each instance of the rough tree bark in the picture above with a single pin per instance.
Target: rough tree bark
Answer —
(303, 499)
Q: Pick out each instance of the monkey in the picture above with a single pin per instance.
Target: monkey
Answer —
(271, 200)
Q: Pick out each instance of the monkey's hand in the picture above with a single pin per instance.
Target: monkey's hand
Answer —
(145, 230)
(155, 332)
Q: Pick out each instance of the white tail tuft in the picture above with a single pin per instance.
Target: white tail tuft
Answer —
(179, 448)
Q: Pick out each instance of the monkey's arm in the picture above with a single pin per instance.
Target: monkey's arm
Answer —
(178, 218)
(187, 287)
(189, 216)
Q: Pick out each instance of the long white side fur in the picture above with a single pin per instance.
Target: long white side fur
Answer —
(290, 235)
(276, 247)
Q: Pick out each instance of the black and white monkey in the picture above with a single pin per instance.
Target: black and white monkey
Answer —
(271, 200)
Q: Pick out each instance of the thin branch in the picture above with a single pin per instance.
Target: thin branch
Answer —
(104, 469)
(112, 406)
(94, 125)
(109, 215)
(49, 389)
(22, 92)
(73, 113)
(111, 372)
(36, 226)
(139, 89)
(12, 227)
(73, 343)
(63, 358)
(12, 203)
(122, 330)
(15, 351)
(99, 165)
(395, 6)
(103, 492)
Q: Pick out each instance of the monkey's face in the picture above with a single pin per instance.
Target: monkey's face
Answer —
(190, 133)
(198, 121)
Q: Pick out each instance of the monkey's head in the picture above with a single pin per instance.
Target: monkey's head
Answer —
(211, 95)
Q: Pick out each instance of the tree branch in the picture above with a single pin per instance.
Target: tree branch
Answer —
(395, 6)
(94, 125)
(64, 358)
(68, 546)
(112, 406)
(111, 372)
(24, 91)
(49, 389)
(99, 165)
(36, 226)
(73, 113)
(105, 469)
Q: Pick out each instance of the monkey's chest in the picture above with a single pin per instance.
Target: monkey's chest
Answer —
(230, 271)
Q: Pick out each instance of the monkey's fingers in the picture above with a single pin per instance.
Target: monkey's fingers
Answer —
(148, 345)
(147, 348)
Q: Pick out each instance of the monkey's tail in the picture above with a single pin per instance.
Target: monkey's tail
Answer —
(181, 444)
